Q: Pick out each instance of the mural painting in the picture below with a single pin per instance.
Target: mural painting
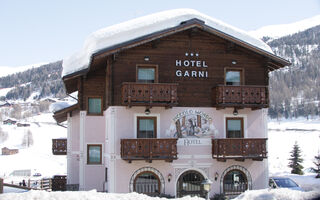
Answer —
(192, 124)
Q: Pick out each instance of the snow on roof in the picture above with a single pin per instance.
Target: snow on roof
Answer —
(129, 30)
(54, 107)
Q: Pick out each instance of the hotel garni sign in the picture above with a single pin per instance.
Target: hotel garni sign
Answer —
(191, 66)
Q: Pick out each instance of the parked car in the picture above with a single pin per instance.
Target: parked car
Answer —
(37, 174)
(283, 182)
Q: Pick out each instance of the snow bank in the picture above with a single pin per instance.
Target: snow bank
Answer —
(138, 27)
(39, 195)
(273, 194)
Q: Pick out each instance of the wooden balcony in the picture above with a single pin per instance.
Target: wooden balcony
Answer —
(149, 149)
(59, 146)
(245, 96)
(239, 149)
(149, 94)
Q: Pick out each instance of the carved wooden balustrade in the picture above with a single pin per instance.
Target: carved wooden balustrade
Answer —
(240, 96)
(150, 94)
(239, 148)
(59, 146)
(149, 149)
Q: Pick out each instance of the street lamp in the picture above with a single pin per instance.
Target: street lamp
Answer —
(206, 186)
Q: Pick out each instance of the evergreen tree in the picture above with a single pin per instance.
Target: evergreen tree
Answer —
(317, 163)
(296, 160)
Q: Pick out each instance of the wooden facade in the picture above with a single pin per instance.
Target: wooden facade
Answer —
(109, 75)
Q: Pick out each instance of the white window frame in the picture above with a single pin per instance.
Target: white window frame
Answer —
(136, 115)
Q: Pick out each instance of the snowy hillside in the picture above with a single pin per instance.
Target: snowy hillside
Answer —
(6, 70)
(37, 157)
(280, 30)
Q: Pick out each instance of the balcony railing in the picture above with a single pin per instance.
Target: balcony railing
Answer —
(150, 94)
(149, 149)
(239, 148)
(240, 96)
(59, 146)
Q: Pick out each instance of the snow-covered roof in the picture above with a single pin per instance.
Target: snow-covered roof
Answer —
(129, 30)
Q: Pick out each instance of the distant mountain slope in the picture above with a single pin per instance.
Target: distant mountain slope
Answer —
(280, 30)
(45, 80)
(6, 70)
(295, 91)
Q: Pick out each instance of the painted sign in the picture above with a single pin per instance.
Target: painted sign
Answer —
(191, 66)
(192, 124)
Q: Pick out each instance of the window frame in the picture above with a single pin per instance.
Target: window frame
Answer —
(101, 107)
(235, 118)
(88, 160)
(241, 70)
(147, 66)
(147, 117)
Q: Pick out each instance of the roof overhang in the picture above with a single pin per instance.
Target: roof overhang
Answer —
(275, 62)
(62, 115)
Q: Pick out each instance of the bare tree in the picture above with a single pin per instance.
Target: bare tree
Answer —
(27, 140)
(3, 135)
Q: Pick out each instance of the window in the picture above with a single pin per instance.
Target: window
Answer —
(235, 182)
(234, 127)
(233, 77)
(94, 105)
(147, 74)
(147, 183)
(146, 127)
(94, 154)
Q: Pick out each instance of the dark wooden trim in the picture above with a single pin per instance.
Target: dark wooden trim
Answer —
(149, 149)
(59, 146)
(156, 75)
(235, 118)
(147, 117)
(94, 163)
(239, 149)
(243, 96)
(101, 106)
(149, 94)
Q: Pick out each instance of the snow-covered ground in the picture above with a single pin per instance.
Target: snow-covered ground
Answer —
(38, 157)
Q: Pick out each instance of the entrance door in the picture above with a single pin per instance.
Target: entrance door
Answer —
(189, 183)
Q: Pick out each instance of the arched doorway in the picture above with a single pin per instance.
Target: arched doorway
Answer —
(189, 183)
(235, 182)
(147, 183)
(147, 180)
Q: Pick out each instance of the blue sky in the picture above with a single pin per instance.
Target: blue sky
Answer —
(33, 31)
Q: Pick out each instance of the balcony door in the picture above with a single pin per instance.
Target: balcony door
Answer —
(234, 127)
(146, 127)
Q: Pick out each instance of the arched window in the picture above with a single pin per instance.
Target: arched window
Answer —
(189, 183)
(235, 182)
(147, 183)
